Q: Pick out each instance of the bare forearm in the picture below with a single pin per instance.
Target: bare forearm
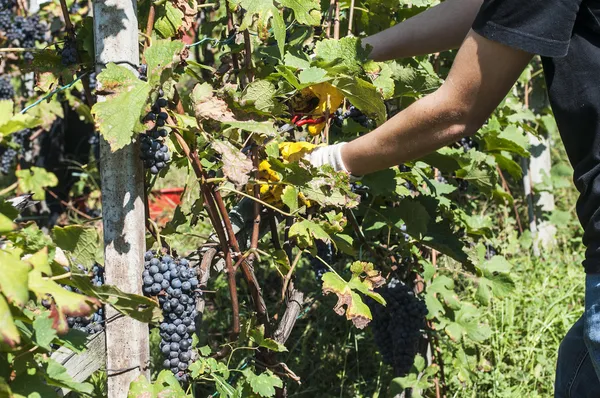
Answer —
(440, 28)
(420, 129)
(482, 74)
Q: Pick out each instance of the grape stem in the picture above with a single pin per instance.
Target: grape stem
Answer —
(286, 281)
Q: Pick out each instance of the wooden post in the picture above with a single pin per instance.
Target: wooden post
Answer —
(127, 341)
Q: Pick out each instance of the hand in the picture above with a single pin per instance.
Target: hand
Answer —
(331, 155)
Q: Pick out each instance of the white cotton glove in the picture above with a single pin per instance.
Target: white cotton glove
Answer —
(331, 155)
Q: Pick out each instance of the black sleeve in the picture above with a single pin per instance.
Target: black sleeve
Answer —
(541, 27)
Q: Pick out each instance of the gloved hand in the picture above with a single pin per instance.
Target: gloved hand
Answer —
(331, 155)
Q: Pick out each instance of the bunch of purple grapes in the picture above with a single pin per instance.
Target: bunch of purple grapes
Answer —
(398, 327)
(68, 54)
(8, 155)
(6, 89)
(175, 283)
(155, 153)
(468, 143)
(6, 15)
(25, 32)
(354, 114)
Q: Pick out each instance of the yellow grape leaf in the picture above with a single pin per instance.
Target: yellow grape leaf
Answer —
(8, 330)
(13, 278)
(65, 303)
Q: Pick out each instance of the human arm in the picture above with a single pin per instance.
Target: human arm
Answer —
(483, 73)
(440, 28)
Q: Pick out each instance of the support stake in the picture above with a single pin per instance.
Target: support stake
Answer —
(127, 340)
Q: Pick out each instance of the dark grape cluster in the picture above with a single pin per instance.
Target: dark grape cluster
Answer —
(398, 326)
(68, 54)
(6, 15)
(7, 159)
(143, 72)
(490, 251)
(155, 153)
(8, 155)
(354, 114)
(325, 252)
(468, 143)
(25, 32)
(93, 323)
(6, 88)
(175, 284)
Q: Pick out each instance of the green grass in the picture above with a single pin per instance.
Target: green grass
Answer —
(528, 327)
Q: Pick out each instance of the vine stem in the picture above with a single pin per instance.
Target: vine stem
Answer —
(68, 205)
(9, 188)
(150, 25)
(68, 23)
(329, 18)
(336, 21)
(248, 55)
(288, 276)
(234, 56)
(216, 205)
(257, 209)
(350, 17)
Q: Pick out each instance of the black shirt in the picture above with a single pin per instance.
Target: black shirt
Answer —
(566, 33)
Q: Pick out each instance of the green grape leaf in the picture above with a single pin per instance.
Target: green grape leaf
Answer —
(139, 307)
(168, 19)
(494, 280)
(441, 288)
(258, 336)
(505, 163)
(6, 224)
(444, 159)
(480, 171)
(56, 375)
(43, 333)
(4, 388)
(10, 123)
(296, 59)
(140, 387)
(305, 231)
(312, 75)
(261, 128)
(279, 30)
(364, 96)
(82, 242)
(34, 180)
(307, 12)
(256, 10)
(465, 323)
(415, 215)
(289, 197)
(511, 139)
(8, 330)
(383, 81)
(260, 94)
(345, 55)
(13, 278)
(263, 384)
(160, 57)
(118, 117)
